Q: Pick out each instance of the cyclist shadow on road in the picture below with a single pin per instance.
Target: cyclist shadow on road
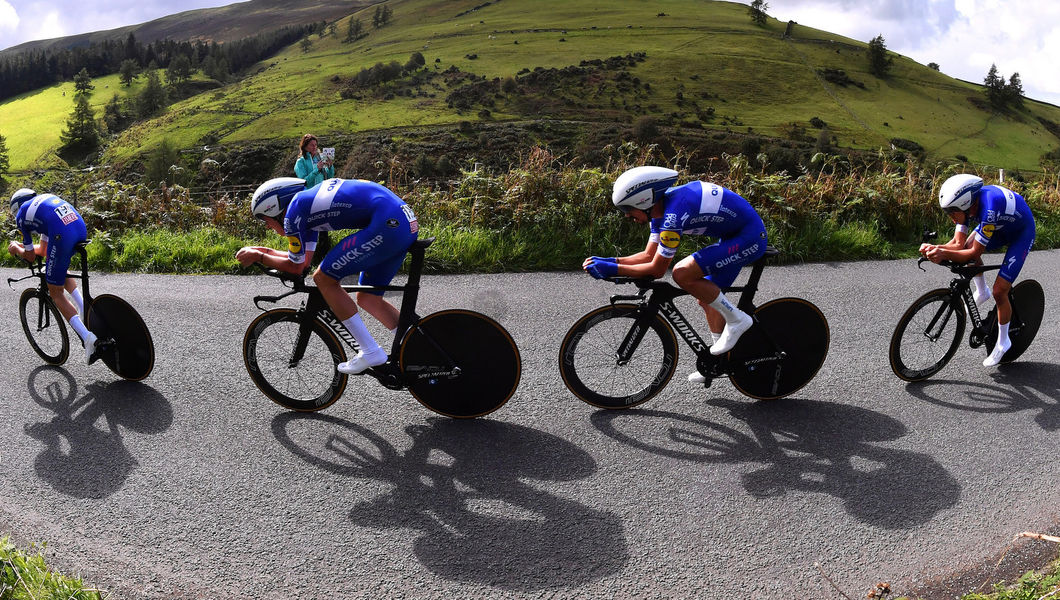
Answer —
(462, 486)
(807, 446)
(82, 457)
(1021, 386)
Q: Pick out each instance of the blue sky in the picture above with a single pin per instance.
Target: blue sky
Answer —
(963, 36)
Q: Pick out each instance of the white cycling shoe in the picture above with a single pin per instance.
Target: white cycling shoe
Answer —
(730, 335)
(998, 353)
(362, 362)
(91, 349)
(697, 377)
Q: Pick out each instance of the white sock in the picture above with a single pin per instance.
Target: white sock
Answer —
(360, 332)
(78, 301)
(728, 310)
(982, 292)
(1002, 336)
(82, 331)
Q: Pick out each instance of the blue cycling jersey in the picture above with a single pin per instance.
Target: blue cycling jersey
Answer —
(701, 208)
(341, 204)
(1003, 217)
(59, 225)
(1005, 220)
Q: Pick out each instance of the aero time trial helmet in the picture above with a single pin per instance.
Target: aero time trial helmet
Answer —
(641, 187)
(958, 192)
(19, 197)
(272, 197)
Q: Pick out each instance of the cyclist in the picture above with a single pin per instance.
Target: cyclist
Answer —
(387, 225)
(60, 228)
(648, 195)
(1004, 219)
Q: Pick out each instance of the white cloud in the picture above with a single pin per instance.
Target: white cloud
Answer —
(8, 17)
(963, 36)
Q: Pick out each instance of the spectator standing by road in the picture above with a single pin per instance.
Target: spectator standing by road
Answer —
(310, 165)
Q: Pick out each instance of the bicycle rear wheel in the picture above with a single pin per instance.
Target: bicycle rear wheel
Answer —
(1028, 306)
(44, 326)
(299, 377)
(793, 326)
(927, 335)
(460, 363)
(588, 358)
(133, 354)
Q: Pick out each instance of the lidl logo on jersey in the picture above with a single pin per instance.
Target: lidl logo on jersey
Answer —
(988, 231)
(670, 239)
(65, 214)
(296, 244)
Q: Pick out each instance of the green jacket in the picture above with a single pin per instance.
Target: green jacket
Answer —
(306, 168)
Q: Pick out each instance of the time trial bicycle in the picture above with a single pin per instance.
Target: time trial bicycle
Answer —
(623, 354)
(456, 362)
(929, 332)
(124, 341)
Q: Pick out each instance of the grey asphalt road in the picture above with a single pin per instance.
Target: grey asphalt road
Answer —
(191, 484)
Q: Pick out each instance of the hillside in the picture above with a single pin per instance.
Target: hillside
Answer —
(702, 70)
(221, 24)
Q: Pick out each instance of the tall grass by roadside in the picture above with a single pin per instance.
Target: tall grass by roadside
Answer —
(25, 576)
(544, 214)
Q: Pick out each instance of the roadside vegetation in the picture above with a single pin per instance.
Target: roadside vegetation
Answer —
(545, 214)
(24, 575)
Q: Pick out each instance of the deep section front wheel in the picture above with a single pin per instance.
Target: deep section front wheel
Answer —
(927, 336)
(132, 354)
(44, 326)
(783, 350)
(294, 368)
(460, 363)
(1028, 306)
(589, 358)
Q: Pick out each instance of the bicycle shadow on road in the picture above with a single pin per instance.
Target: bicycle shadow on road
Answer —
(806, 446)
(462, 486)
(1031, 386)
(81, 459)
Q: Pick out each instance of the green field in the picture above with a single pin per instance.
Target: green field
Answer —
(753, 78)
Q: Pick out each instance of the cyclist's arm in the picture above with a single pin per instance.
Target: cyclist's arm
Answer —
(958, 255)
(655, 267)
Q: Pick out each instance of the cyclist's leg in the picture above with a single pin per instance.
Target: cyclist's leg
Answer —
(59, 252)
(718, 265)
(1015, 256)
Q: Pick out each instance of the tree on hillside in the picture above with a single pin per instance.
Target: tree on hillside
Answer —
(879, 60)
(128, 71)
(306, 44)
(331, 29)
(415, 61)
(934, 66)
(116, 115)
(179, 70)
(83, 83)
(382, 16)
(757, 10)
(81, 133)
(152, 98)
(354, 30)
(1014, 91)
(159, 168)
(215, 68)
(995, 88)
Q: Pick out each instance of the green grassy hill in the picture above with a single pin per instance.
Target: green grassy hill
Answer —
(706, 67)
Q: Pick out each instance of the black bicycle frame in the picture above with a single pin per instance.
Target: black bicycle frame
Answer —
(961, 290)
(316, 307)
(662, 301)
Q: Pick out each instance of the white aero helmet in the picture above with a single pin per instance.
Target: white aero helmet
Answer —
(19, 197)
(641, 187)
(272, 197)
(958, 192)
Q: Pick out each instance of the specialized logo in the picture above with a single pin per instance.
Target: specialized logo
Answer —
(392, 223)
(670, 239)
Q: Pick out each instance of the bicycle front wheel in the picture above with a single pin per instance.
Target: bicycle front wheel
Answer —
(1028, 306)
(588, 358)
(460, 363)
(44, 326)
(927, 335)
(300, 377)
(133, 355)
(793, 326)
